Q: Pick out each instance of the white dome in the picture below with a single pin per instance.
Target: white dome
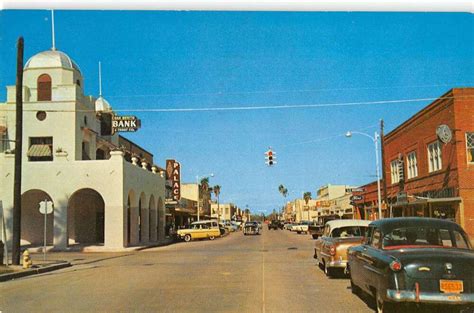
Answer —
(51, 59)
(101, 105)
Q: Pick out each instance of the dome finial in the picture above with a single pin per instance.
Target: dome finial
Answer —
(52, 31)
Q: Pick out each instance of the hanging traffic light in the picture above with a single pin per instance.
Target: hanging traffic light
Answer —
(270, 158)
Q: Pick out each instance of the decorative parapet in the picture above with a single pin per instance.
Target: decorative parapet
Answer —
(144, 165)
(135, 160)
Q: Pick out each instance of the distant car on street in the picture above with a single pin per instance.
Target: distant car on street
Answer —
(200, 230)
(414, 260)
(301, 227)
(274, 224)
(251, 228)
(287, 225)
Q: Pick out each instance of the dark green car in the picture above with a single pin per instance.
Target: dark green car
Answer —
(414, 260)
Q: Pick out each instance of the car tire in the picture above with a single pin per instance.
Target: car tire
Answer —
(383, 306)
(314, 236)
(354, 288)
(187, 238)
(298, 232)
(212, 237)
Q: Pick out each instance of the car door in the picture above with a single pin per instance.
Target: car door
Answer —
(369, 261)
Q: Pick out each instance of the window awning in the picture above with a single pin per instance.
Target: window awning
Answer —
(39, 151)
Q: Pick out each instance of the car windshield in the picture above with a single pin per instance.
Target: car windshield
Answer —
(349, 231)
(425, 237)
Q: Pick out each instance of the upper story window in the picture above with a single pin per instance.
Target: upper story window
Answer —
(40, 149)
(470, 147)
(435, 162)
(412, 165)
(394, 172)
(44, 88)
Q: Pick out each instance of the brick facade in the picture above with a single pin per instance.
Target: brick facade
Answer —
(447, 192)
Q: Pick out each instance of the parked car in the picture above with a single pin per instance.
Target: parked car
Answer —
(287, 225)
(316, 229)
(301, 227)
(199, 230)
(331, 248)
(274, 224)
(414, 260)
(251, 228)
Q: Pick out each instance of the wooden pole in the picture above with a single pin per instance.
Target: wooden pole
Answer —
(18, 154)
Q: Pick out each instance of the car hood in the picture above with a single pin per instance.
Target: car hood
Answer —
(434, 262)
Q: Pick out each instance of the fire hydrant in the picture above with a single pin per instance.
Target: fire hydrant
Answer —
(27, 262)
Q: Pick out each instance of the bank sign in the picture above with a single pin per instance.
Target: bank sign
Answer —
(173, 175)
(128, 123)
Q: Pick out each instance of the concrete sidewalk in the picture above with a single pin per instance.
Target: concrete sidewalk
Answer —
(74, 255)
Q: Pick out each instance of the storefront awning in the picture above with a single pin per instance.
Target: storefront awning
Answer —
(427, 200)
(39, 151)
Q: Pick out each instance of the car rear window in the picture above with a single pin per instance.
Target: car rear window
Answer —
(424, 236)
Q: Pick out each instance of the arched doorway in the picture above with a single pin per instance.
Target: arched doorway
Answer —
(160, 220)
(86, 217)
(32, 221)
(142, 216)
(152, 219)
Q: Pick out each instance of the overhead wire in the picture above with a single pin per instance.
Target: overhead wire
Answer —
(251, 108)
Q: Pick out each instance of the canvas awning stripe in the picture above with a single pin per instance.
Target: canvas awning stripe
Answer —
(39, 151)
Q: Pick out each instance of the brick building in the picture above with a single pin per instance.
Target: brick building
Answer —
(429, 164)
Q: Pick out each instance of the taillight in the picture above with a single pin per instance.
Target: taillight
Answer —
(395, 266)
(332, 250)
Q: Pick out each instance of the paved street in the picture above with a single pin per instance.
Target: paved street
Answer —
(274, 272)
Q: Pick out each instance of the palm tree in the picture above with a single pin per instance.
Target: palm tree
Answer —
(217, 190)
(307, 197)
(283, 190)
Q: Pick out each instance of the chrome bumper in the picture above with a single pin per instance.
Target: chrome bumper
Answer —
(429, 297)
(338, 263)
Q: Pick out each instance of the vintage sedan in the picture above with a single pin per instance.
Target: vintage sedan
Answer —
(251, 228)
(199, 230)
(415, 260)
(331, 248)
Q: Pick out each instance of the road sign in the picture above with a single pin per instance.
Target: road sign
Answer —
(46, 207)
(402, 198)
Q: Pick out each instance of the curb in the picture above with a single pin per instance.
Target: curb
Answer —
(34, 271)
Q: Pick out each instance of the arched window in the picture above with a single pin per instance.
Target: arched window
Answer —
(44, 88)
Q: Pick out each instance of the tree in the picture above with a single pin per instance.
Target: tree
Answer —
(283, 190)
(307, 197)
(217, 190)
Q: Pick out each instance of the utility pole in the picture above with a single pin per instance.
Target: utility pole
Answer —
(382, 148)
(18, 155)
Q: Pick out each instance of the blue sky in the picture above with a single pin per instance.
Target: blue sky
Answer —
(153, 60)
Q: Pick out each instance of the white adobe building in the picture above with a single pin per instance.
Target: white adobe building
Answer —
(101, 194)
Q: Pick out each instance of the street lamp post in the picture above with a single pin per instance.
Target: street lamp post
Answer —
(197, 182)
(375, 140)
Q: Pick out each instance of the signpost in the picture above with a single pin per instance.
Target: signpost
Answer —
(173, 174)
(45, 208)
